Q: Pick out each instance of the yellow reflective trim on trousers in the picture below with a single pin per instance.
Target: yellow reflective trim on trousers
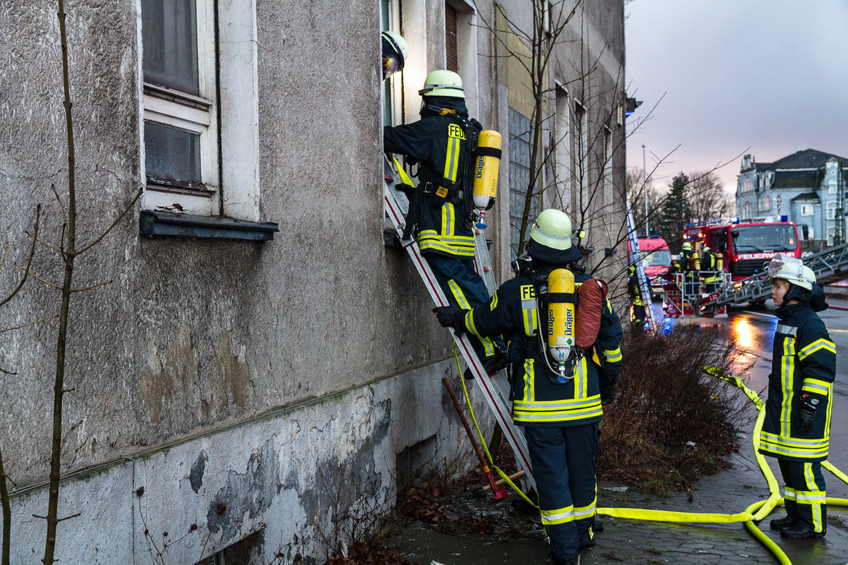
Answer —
(800, 453)
(529, 375)
(787, 373)
(458, 295)
(613, 355)
(559, 516)
(816, 386)
(815, 346)
(789, 493)
(585, 511)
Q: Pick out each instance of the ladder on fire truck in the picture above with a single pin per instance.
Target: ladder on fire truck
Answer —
(635, 259)
(828, 264)
(495, 389)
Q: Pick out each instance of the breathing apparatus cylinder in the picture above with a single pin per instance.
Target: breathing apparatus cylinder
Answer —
(561, 318)
(719, 262)
(486, 172)
(696, 257)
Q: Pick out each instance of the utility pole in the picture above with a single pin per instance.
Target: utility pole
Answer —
(839, 238)
(645, 188)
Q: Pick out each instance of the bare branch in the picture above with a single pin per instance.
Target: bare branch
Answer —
(4, 330)
(29, 259)
(115, 223)
(62, 206)
(91, 287)
(48, 283)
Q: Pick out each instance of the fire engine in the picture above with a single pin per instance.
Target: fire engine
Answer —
(747, 245)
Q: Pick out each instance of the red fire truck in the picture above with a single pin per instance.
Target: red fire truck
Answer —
(657, 259)
(747, 245)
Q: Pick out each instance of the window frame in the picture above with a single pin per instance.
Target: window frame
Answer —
(807, 210)
(188, 112)
(394, 84)
(563, 150)
(830, 210)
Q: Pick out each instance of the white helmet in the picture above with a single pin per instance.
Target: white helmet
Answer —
(395, 51)
(789, 268)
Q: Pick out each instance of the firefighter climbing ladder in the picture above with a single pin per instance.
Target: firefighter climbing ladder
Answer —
(827, 263)
(644, 287)
(495, 389)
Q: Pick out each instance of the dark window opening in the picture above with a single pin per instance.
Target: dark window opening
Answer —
(171, 154)
(451, 60)
(169, 38)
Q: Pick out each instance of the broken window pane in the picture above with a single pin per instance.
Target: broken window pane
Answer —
(171, 153)
(169, 36)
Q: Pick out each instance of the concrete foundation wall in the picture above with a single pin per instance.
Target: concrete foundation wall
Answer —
(304, 478)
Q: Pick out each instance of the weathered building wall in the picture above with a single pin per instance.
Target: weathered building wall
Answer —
(215, 371)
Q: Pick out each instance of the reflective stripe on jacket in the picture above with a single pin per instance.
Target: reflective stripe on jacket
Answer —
(512, 312)
(440, 146)
(803, 361)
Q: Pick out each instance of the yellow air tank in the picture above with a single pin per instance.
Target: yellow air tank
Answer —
(719, 262)
(486, 169)
(561, 317)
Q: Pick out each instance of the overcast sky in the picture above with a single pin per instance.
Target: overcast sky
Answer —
(771, 75)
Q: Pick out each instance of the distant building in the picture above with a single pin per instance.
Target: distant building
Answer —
(806, 186)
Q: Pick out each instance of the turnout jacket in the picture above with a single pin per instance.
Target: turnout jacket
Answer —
(804, 361)
(537, 401)
(440, 145)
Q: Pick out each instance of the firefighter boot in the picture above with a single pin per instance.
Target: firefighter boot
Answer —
(780, 523)
(800, 531)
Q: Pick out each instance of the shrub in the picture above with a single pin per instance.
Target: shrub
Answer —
(670, 421)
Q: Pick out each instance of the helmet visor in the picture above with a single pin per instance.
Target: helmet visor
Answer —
(774, 266)
(392, 59)
(391, 65)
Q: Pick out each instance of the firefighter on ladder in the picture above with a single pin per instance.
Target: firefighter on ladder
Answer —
(560, 411)
(796, 429)
(635, 293)
(440, 207)
(709, 266)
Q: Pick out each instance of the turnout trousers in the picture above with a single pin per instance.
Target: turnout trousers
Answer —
(463, 287)
(563, 461)
(805, 493)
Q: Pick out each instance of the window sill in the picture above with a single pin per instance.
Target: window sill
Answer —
(216, 227)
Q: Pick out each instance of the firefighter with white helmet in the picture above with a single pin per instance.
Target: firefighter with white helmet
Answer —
(796, 429)
(395, 51)
(442, 205)
(565, 355)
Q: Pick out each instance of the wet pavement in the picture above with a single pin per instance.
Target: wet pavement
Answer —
(650, 543)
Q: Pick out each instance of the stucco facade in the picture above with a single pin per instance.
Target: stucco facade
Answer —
(804, 186)
(272, 389)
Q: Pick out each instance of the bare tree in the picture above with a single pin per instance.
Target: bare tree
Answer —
(68, 250)
(706, 197)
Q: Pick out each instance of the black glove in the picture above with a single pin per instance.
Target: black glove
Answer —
(451, 317)
(809, 403)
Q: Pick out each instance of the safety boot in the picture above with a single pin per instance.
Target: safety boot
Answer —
(573, 560)
(799, 531)
(785, 522)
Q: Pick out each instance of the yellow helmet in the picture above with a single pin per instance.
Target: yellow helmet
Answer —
(552, 228)
(443, 83)
(687, 246)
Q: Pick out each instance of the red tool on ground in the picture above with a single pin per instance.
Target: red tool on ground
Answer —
(499, 493)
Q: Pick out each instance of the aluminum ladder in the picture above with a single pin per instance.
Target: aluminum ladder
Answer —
(495, 389)
(644, 287)
(827, 264)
